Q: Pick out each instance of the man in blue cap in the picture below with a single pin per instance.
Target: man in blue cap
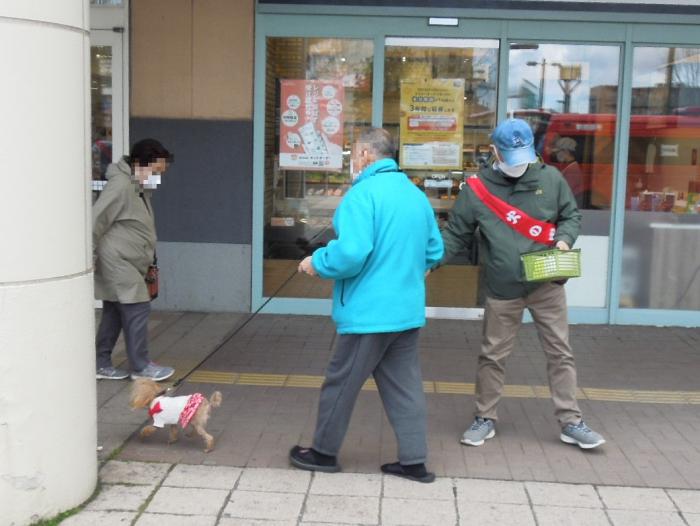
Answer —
(519, 205)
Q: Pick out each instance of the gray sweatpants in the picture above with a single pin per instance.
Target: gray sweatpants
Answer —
(133, 319)
(392, 358)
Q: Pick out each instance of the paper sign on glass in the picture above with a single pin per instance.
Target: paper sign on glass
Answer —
(311, 125)
(432, 123)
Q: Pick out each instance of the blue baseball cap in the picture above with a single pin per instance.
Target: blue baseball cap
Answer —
(515, 142)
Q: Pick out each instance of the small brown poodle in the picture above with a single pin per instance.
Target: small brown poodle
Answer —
(190, 410)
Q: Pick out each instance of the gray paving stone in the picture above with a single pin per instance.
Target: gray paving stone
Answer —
(159, 519)
(397, 487)
(120, 498)
(492, 514)
(559, 516)
(622, 498)
(253, 522)
(568, 495)
(264, 505)
(412, 512)
(111, 436)
(275, 480)
(686, 500)
(103, 518)
(350, 484)
(188, 501)
(480, 490)
(651, 518)
(258, 423)
(693, 519)
(341, 509)
(212, 477)
(119, 472)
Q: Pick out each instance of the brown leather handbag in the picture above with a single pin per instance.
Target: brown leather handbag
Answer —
(152, 279)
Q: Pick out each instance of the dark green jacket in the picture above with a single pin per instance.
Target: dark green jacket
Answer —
(542, 193)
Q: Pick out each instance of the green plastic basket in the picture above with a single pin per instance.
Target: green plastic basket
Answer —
(551, 265)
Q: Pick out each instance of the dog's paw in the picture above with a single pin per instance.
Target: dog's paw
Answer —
(147, 432)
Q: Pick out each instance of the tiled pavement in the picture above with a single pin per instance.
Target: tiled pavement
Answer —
(157, 493)
(651, 443)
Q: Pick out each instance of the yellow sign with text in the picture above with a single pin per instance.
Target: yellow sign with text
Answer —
(432, 124)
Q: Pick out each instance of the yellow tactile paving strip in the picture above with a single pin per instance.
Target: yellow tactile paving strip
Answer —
(509, 391)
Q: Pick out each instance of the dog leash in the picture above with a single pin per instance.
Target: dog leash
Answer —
(227, 339)
(238, 329)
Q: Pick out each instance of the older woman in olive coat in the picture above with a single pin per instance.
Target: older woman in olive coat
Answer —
(124, 242)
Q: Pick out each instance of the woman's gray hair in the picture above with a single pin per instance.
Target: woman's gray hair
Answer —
(379, 141)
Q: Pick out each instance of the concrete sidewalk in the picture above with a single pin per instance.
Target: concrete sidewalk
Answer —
(147, 494)
(638, 386)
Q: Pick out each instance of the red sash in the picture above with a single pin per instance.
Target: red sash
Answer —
(538, 231)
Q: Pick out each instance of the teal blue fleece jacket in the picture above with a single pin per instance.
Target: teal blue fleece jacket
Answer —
(387, 237)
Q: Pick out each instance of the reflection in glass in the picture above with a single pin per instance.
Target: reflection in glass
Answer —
(318, 97)
(106, 2)
(440, 106)
(569, 95)
(662, 223)
(101, 103)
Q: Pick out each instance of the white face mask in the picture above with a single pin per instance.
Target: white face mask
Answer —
(152, 182)
(512, 171)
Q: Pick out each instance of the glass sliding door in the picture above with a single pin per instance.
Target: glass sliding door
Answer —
(318, 96)
(106, 102)
(569, 93)
(661, 249)
(440, 105)
(101, 104)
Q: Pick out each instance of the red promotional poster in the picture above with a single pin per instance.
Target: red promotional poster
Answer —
(311, 125)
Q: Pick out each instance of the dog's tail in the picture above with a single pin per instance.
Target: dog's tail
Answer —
(215, 399)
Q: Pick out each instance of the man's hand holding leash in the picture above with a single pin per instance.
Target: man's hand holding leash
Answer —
(306, 267)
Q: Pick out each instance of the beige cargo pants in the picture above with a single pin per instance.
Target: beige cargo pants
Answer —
(502, 319)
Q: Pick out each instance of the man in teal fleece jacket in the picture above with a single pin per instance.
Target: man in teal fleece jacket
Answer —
(387, 238)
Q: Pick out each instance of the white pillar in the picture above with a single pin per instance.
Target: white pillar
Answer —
(48, 429)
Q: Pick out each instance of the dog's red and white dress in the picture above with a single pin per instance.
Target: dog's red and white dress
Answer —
(173, 409)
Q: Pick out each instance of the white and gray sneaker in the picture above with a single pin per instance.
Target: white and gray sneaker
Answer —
(581, 435)
(155, 372)
(111, 373)
(481, 429)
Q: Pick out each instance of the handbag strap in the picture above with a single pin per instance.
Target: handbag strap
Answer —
(529, 227)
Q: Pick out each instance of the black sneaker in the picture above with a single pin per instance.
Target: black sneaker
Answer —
(311, 460)
(415, 472)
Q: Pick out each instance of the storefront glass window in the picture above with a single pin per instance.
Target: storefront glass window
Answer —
(318, 97)
(569, 95)
(440, 105)
(101, 102)
(661, 267)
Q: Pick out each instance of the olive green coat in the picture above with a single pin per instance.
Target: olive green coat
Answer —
(123, 238)
(542, 193)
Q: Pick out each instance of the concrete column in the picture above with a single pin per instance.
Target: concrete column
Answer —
(48, 430)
